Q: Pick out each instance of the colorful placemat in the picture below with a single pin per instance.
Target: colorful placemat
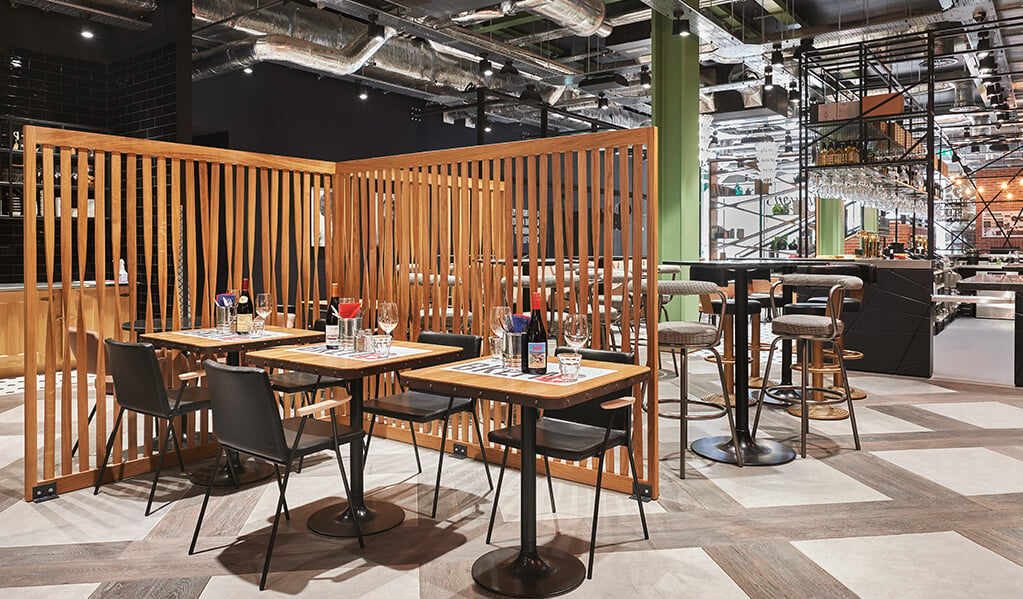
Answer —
(215, 334)
(397, 351)
(553, 377)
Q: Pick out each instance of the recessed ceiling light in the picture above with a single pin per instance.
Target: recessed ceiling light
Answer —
(87, 32)
(16, 62)
(247, 70)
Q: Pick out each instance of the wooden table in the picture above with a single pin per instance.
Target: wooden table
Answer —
(205, 342)
(374, 516)
(528, 570)
(1003, 282)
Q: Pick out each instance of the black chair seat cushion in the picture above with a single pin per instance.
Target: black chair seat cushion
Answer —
(752, 306)
(316, 435)
(850, 304)
(301, 382)
(812, 308)
(416, 407)
(561, 439)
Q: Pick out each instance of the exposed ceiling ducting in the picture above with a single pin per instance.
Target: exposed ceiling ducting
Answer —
(582, 17)
(127, 14)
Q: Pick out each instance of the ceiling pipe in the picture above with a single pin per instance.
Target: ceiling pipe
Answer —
(582, 17)
(127, 14)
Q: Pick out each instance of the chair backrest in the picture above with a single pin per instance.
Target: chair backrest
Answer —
(138, 381)
(91, 349)
(838, 284)
(320, 325)
(245, 412)
(472, 345)
(590, 412)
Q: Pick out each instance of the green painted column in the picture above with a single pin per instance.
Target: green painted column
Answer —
(830, 226)
(870, 220)
(676, 114)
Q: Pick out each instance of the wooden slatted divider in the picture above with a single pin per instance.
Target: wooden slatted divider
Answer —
(164, 209)
(487, 215)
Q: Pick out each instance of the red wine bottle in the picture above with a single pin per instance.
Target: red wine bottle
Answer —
(333, 319)
(245, 309)
(534, 341)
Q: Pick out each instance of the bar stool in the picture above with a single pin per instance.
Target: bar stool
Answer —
(688, 336)
(804, 328)
(753, 307)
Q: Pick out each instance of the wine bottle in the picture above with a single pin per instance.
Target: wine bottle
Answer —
(332, 320)
(534, 342)
(245, 309)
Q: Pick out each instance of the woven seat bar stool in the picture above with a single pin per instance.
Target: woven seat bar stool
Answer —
(690, 336)
(806, 328)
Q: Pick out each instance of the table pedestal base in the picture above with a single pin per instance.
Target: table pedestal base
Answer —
(546, 573)
(247, 470)
(759, 452)
(375, 517)
(781, 397)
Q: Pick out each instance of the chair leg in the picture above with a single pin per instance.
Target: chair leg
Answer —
(635, 489)
(497, 495)
(596, 511)
(483, 449)
(369, 437)
(804, 415)
(273, 531)
(92, 414)
(205, 501)
(440, 466)
(110, 447)
(683, 434)
(230, 471)
(550, 485)
(415, 446)
(848, 396)
(159, 464)
(763, 390)
(277, 471)
(177, 450)
(674, 360)
(728, 409)
(344, 479)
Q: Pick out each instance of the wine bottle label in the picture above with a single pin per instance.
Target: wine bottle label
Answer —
(333, 333)
(244, 323)
(537, 355)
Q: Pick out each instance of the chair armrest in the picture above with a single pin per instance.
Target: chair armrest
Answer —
(322, 406)
(191, 376)
(621, 402)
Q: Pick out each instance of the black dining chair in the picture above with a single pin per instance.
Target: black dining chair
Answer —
(577, 433)
(416, 407)
(247, 421)
(139, 387)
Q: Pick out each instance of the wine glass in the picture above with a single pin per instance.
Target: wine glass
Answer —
(500, 320)
(387, 316)
(263, 305)
(577, 330)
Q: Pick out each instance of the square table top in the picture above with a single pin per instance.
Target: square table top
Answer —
(205, 342)
(526, 390)
(302, 359)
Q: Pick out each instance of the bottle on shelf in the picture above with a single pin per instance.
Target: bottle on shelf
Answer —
(245, 309)
(332, 320)
(534, 341)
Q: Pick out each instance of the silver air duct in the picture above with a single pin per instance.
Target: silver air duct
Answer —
(289, 51)
(582, 17)
(127, 14)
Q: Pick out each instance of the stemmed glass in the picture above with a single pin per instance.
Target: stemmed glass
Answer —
(500, 324)
(387, 316)
(577, 330)
(263, 305)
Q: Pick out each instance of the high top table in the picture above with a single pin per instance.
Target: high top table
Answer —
(208, 342)
(755, 452)
(1003, 282)
(374, 516)
(527, 570)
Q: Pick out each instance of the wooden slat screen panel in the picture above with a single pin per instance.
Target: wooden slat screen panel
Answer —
(164, 209)
(448, 234)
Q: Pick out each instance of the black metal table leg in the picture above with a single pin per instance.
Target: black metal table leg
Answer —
(374, 516)
(528, 570)
(755, 452)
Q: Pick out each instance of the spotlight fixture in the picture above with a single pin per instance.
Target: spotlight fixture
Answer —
(247, 70)
(363, 93)
(531, 93)
(768, 77)
(793, 91)
(680, 26)
(777, 58)
(602, 102)
(788, 142)
(509, 68)
(486, 69)
(375, 30)
(16, 62)
(486, 127)
(87, 32)
(987, 65)
(983, 45)
(644, 77)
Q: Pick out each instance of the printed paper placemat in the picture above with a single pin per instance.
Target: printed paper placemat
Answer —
(553, 377)
(397, 351)
(215, 334)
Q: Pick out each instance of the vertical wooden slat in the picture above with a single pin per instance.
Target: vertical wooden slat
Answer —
(162, 224)
(147, 258)
(191, 243)
(285, 243)
(82, 251)
(100, 266)
(250, 229)
(175, 225)
(30, 236)
(275, 232)
(66, 282)
(116, 202)
(131, 238)
(50, 347)
(301, 203)
(653, 465)
(267, 285)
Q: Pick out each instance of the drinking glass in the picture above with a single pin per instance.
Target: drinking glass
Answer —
(263, 305)
(577, 330)
(387, 316)
(500, 320)
(382, 345)
(568, 366)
